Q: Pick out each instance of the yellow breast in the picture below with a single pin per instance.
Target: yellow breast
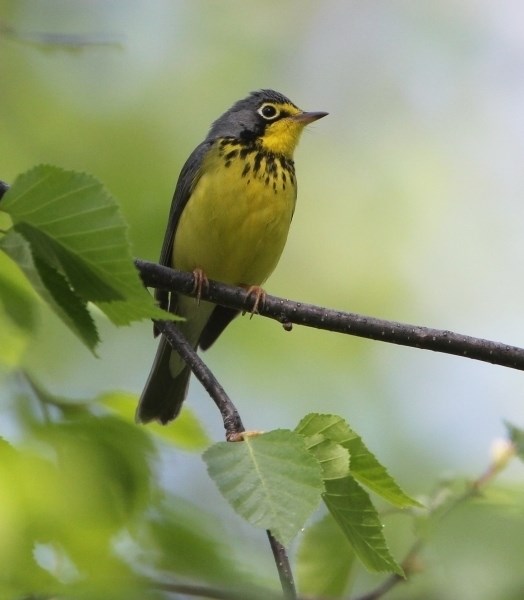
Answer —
(235, 224)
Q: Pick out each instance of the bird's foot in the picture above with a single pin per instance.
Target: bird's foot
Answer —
(201, 281)
(259, 296)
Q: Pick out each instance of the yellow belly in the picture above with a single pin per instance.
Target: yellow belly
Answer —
(235, 225)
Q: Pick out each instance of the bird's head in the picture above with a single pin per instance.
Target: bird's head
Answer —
(266, 118)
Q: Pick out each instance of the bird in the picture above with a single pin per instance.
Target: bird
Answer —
(229, 221)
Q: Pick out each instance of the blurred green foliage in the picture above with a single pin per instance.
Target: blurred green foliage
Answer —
(82, 516)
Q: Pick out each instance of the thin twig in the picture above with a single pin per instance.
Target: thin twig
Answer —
(409, 565)
(232, 422)
(216, 593)
(383, 588)
(66, 40)
(283, 566)
(233, 426)
(309, 315)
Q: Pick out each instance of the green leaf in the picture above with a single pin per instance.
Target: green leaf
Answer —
(86, 282)
(333, 458)
(192, 542)
(52, 287)
(366, 469)
(349, 504)
(363, 466)
(105, 464)
(332, 427)
(271, 480)
(325, 560)
(18, 312)
(75, 227)
(351, 507)
(16, 296)
(13, 342)
(186, 432)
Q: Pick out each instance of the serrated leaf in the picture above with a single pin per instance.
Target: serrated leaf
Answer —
(71, 308)
(351, 507)
(88, 238)
(363, 465)
(333, 458)
(52, 287)
(186, 432)
(366, 469)
(86, 282)
(271, 480)
(325, 560)
(332, 427)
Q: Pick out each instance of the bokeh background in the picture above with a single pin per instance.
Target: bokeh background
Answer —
(410, 208)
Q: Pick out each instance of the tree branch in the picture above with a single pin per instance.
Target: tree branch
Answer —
(409, 565)
(216, 593)
(234, 428)
(284, 568)
(288, 312)
(232, 422)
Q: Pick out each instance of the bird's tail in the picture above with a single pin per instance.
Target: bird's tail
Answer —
(163, 394)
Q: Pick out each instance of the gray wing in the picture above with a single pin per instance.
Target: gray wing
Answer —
(189, 176)
(164, 394)
(187, 180)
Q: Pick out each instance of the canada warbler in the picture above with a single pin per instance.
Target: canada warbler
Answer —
(229, 221)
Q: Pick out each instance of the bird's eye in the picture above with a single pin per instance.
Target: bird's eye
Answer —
(268, 111)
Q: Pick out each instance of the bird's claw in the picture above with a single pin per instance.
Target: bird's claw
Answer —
(260, 298)
(201, 281)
